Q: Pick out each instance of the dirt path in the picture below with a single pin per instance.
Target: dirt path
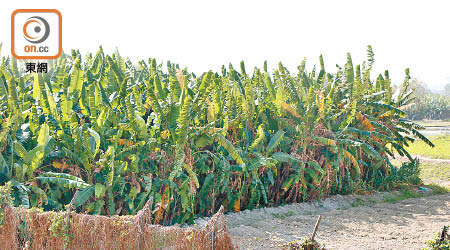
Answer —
(349, 222)
(423, 158)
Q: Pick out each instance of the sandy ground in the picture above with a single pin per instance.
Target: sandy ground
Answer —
(348, 222)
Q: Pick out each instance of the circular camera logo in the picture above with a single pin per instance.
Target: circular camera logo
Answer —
(36, 29)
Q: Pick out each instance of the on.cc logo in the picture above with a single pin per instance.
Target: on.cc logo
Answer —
(36, 34)
(40, 29)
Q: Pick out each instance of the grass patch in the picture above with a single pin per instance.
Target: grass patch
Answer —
(405, 194)
(438, 189)
(372, 201)
(434, 123)
(440, 151)
(434, 171)
(430, 171)
(358, 202)
(408, 193)
(283, 215)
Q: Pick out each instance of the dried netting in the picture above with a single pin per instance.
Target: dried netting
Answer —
(8, 232)
(31, 229)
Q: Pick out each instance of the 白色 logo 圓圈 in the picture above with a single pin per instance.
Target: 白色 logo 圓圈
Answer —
(36, 29)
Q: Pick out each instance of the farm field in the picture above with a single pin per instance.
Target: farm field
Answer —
(434, 162)
(101, 135)
(350, 222)
(432, 171)
(120, 132)
(435, 172)
(440, 151)
(179, 125)
(403, 219)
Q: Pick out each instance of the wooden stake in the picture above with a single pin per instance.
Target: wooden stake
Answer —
(316, 227)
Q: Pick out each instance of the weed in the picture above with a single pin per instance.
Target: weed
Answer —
(283, 215)
(358, 202)
(406, 194)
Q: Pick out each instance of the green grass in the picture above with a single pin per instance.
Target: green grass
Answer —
(438, 189)
(434, 171)
(434, 123)
(408, 193)
(283, 215)
(358, 202)
(440, 151)
(405, 194)
(430, 171)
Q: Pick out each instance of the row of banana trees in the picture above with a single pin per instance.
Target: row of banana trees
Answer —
(107, 135)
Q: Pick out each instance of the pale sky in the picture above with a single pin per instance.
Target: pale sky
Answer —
(203, 35)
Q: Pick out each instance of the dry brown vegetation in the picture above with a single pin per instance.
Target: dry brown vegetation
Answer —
(31, 229)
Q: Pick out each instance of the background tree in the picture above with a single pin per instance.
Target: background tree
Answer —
(426, 104)
(447, 89)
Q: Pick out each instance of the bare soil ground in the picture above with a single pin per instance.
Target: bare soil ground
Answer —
(349, 222)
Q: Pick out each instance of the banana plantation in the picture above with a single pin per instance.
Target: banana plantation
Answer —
(106, 135)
